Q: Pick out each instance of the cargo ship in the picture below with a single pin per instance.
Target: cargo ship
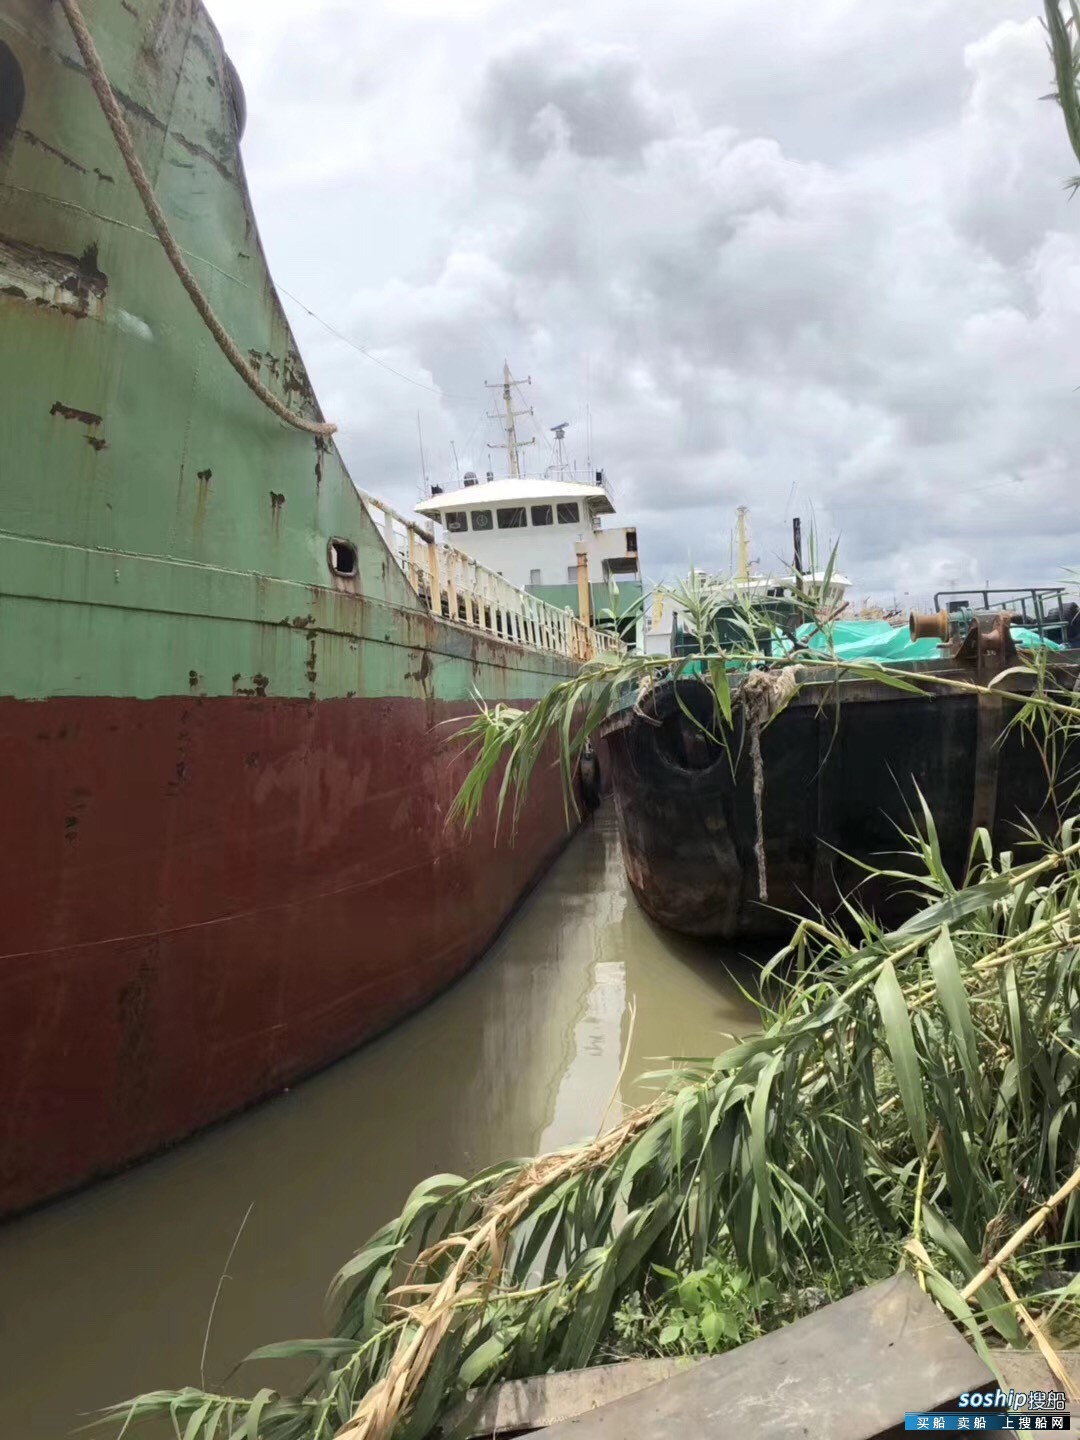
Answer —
(545, 532)
(224, 672)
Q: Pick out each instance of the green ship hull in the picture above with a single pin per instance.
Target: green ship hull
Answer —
(224, 855)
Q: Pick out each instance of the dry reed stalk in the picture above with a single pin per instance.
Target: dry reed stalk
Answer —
(383, 1405)
(1029, 1228)
(632, 1008)
(924, 1170)
(1049, 1354)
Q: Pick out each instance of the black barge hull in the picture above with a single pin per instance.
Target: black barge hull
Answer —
(843, 765)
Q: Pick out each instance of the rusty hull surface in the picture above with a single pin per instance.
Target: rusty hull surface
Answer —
(207, 898)
(223, 851)
(841, 782)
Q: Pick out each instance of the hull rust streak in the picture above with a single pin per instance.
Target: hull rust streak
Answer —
(272, 884)
(223, 853)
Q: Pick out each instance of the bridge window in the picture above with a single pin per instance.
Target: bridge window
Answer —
(569, 514)
(457, 521)
(541, 514)
(481, 519)
(512, 518)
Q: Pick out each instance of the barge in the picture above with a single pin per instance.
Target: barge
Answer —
(848, 764)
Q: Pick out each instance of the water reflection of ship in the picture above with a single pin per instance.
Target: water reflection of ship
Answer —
(553, 1025)
(687, 1008)
(521, 1053)
(552, 1012)
(685, 996)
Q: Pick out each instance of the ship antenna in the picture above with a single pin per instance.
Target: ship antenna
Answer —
(423, 462)
(510, 418)
(560, 449)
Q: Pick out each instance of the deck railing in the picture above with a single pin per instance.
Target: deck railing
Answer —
(469, 594)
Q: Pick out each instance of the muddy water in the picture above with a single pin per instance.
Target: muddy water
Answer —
(108, 1293)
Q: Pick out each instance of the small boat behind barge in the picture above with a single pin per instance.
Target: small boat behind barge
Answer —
(845, 764)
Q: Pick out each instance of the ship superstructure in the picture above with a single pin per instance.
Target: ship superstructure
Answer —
(545, 532)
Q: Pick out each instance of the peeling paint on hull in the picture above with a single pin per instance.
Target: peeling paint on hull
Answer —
(223, 861)
(193, 939)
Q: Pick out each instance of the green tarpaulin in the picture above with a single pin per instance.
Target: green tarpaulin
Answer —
(891, 644)
(875, 642)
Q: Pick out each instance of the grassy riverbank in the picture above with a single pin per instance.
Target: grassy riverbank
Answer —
(911, 1099)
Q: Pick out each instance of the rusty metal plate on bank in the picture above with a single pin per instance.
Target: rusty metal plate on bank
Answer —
(848, 1372)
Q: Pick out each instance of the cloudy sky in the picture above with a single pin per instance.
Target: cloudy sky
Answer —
(814, 259)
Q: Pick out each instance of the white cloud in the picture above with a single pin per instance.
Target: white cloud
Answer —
(820, 266)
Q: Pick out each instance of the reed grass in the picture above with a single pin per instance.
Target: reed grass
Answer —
(1063, 31)
(911, 1099)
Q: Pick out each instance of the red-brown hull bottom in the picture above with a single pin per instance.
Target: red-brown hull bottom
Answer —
(268, 884)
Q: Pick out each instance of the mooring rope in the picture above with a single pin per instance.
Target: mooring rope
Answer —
(763, 693)
(122, 135)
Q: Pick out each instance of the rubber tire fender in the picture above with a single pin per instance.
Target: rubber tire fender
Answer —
(589, 779)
